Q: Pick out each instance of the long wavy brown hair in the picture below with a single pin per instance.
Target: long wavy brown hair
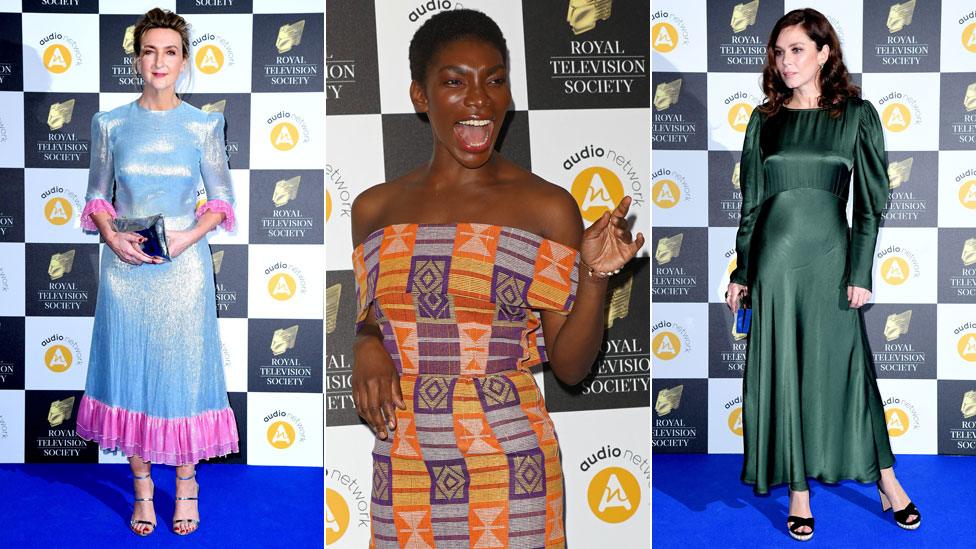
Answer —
(835, 85)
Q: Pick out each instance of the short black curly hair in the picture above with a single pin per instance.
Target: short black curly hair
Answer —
(448, 26)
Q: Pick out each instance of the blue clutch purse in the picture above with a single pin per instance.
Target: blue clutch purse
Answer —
(743, 319)
(152, 228)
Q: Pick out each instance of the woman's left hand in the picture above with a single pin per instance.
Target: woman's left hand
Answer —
(857, 296)
(179, 241)
(608, 244)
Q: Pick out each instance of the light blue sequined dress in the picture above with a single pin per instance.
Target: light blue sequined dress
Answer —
(155, 384)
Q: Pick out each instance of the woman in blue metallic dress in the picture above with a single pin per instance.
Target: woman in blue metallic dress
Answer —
(155, 387)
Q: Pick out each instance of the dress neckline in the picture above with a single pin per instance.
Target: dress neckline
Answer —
(455, 224)
(140, 108)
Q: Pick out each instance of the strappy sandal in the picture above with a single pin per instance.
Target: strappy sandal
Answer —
(794, 523)
(901, 517)
(190, 522)
(133, 522)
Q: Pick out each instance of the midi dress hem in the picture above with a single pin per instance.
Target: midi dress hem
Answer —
(169, 441)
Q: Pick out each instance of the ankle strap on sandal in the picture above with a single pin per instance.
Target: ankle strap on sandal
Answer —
(137, 477)
(191, 477)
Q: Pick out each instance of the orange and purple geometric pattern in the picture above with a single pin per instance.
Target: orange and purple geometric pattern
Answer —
(474, 461)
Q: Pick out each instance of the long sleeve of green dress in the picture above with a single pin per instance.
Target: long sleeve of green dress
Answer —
(870, 194)
(751, 186)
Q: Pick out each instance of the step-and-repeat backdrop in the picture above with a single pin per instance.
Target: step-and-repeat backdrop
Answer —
(261, 63)
(916, 62)
(580, 82)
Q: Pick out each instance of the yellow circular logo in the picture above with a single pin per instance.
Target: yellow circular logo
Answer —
(281, 286)
(666, 345)
(665, 37)
(967, 346)
(209, 59)
(896, 117)
(666, 193)
(894, 270)
(967, 194)
(58, 358)
(897, 421)
(596, 190)
(56, 58)
(969, 38)
(58, 211)
(281, 434)
(739, 116)
(328, 205)
(336, 516)
(735, 420)
(614, 495)
(284, 136)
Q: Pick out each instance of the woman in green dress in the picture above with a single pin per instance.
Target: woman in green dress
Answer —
(811, 406)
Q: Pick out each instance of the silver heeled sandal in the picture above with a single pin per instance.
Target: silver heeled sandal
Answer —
(189, 521)
(133, 522)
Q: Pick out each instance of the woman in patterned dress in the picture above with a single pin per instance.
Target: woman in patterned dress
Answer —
(452, 262)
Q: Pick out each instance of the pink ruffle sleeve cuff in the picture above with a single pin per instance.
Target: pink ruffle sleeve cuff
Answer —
(220, 206)
(95, 205)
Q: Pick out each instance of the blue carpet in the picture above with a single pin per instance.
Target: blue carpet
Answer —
(75, 505)
(698, 501)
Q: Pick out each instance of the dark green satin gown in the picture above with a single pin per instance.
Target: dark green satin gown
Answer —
(811, 406)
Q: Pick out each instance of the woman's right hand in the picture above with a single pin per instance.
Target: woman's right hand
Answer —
(126, 247)
(735, 293)
(375, 386)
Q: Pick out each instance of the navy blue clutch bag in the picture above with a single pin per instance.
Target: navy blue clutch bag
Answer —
(743, 319)
(152, 228)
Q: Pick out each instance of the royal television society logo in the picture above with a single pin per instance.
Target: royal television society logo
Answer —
(614, 492)
(900, 16)
(598, 189)
(964, 281)
(898, 265)
(213, 52)
(283, 339)
(60, 353)
(583, 15)
(901, 416)
(60, 53)
(962, 124)
(334, 292)
(668, 248)
(669, 340)
(60, 205)
(284, 281)
(668, 32)
(286, 130)
(61, 143)
(668, 400)
(284, 429)
(336, 516)
(285, 368)
(734, 418)
(744, 15)
(667, 94)
(123, 71)
(899, 112)
(289, 65)
(966, 344)
(60, 411)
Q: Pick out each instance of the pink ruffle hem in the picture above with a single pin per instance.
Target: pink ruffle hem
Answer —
(95, 205)
(222, 207)
(176, 441)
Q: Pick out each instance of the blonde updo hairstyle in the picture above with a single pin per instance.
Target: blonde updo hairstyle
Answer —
(158, 18)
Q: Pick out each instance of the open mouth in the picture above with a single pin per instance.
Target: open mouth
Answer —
(474, 136)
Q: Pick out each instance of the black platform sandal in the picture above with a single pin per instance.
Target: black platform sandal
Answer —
(794, 523)
(901, 517)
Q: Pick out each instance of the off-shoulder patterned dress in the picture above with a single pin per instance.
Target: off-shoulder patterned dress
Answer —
(474, 461)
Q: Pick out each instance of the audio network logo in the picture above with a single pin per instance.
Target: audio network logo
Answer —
(284, 281)
(583, 15)
(60, 53)
(739, 111)
(614, 493)
(669, 189)
(967, 187)
(598, 189)
(60, 205)
(969, 33)
(898, 265)
(342, 191)
(734, 419)
(213, 52)
(336, 516)
(665, 36)
(899, 112)
(60, 353)
(669, 340)
(966, 344)
(901, 416)
(286, 130)
(284, 429)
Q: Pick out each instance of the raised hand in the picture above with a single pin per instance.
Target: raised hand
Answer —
(608, 243)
